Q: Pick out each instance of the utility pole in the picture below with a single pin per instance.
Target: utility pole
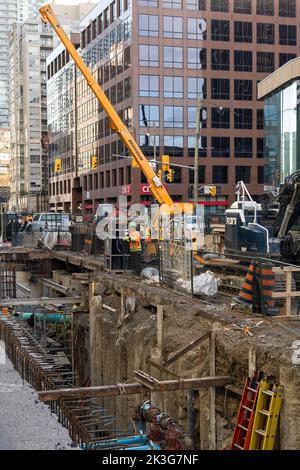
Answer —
(196, 158)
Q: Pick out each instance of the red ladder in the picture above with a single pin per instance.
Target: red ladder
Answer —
(246, 413)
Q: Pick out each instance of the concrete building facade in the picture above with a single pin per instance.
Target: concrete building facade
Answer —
(4, 165)
(11, 12)
(30, 44)
(155, 59)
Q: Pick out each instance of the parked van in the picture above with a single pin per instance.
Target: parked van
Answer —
(50, 221)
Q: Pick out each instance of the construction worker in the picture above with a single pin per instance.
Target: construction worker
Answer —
(134, 238)
(148, 234)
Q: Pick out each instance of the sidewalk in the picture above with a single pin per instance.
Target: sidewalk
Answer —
(26, 423)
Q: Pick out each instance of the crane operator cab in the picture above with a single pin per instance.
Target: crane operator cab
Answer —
(246, 231)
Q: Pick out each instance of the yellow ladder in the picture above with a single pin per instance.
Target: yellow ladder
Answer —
(265, 423)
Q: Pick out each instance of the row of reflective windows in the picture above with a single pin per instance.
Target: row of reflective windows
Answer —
(220, 174)
(173, 117)
(197, 58)
(196, 87)
(220, 30)
(286, 8)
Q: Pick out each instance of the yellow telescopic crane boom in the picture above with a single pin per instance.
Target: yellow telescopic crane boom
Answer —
(156, 186)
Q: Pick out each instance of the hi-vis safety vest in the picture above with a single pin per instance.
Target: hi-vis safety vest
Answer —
(148, 235)
(135, 241)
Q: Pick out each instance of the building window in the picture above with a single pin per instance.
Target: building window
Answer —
(148, 55)
(192, 117)
(220, 147)
(219, 5)
(242, 118)
(196, 88)
(220, 89)
(265, 7)
(148, 3)
(148, 25)
(284, 58)
(149, 85)
(243, 90)
(243, 147)
(173, 57)
(220, 30)
(265, 33)
(173, 87)
(196, 4)
(243, 173)
(260, 174)
(242, 31)
(242, 6)
(149, 115)
(220, 174)
(287, 35)
(173, 116)
(196, 58)
(150, 143)
(243, 61)
(202, 146)
(259, 119)
(220, 118)
(196, 28)
(201, 175)
(265, 61)
(220, 59)
(173, 145)
(287, 8)
(172, 4)
(260, 147)
(173, 27)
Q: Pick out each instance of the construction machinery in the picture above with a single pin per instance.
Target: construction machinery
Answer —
(270, 228)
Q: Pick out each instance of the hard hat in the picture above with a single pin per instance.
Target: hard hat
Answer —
(132, 225)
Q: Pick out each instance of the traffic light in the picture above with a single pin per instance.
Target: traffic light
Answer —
(94, 162)
(165, 162)
(213, 191)
(170, 175)
(57, 165)
(159, 174)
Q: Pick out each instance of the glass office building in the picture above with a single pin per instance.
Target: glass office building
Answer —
(280, 92)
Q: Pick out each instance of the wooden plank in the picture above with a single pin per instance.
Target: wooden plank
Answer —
(41, 301)
(133, 388)
(162, 368)
(277, 269)
(283, 295)
(185, 350)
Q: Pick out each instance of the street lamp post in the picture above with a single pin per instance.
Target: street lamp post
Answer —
(196, 158)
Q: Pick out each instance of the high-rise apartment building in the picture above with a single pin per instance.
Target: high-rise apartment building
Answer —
(4, 164)
(11, 11)
(30, 44)
(158, 60)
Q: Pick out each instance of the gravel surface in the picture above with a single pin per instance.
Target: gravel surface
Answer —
(25, 422)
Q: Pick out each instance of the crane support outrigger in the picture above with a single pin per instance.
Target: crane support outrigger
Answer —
(157, 188)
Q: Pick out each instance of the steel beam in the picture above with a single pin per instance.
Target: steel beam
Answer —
(130, 389)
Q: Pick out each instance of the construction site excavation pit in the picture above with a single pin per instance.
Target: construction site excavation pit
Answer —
(123, 331)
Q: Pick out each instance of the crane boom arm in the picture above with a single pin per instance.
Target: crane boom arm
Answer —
(156, 186)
